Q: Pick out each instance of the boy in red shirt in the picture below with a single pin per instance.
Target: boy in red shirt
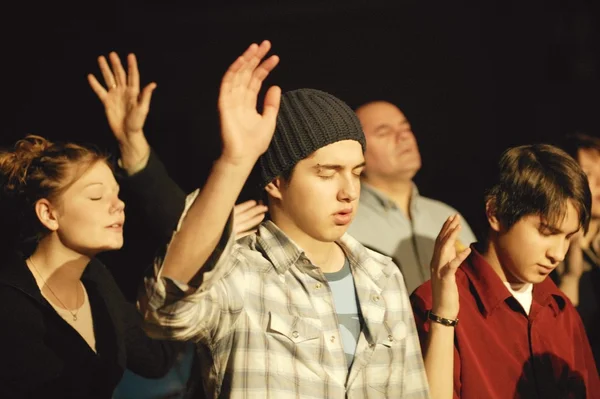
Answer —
(519, 336)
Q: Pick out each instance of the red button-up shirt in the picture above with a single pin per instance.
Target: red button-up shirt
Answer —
(501, 352)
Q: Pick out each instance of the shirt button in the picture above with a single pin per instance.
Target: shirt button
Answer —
(376, 298)
(332, 339)
(318, 285)
(295, 334)
(390, 338)
(371, 345)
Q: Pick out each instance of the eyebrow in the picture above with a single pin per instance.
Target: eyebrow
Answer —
(382, 127)
(117, 187)
(389, 126)
(336, 166)
(556, 230)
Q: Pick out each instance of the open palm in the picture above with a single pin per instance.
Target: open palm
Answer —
(444, 264)
(126, 109)
(246, 133)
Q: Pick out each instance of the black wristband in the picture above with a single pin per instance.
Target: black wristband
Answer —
(441, 320)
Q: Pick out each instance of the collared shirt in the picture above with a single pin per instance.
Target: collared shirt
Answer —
(501, 352)
(265, 323)
(380, 225)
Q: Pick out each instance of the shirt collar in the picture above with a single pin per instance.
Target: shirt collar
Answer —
(373, 196)
(491, 291)
(283, 253)
(278, 247)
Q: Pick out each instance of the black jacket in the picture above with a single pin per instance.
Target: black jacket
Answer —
(43, 356)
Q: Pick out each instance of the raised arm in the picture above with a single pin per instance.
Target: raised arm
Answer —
(126, 108)
(439, 350)
(245, 134)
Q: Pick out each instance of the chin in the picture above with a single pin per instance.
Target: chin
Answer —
(536, 279)
(333, 235)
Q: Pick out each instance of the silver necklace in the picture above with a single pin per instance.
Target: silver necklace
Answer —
(74, 314)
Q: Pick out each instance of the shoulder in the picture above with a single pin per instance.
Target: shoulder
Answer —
(98, 272)
(21, 315)
(437, 206)
(421, 296)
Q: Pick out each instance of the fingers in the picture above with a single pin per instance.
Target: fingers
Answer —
(249, 224)
(253, 57)
(272, 102)
(146, 96)
(242, 72)
(460, 258)
(445, 227)
(248, 215)
(258, 77)
(133, 72)
(448, 232)
(246, 74)
(244, 234)
(97, 87)
(118, 71)
(243, 207)
(257, 71)
(109, 79)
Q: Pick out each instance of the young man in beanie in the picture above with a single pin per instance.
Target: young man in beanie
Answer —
(298, 309)
(516, 334)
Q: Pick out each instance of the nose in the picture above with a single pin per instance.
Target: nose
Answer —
(117, 206)
(350, 189)
(557, 252)
(403, 134)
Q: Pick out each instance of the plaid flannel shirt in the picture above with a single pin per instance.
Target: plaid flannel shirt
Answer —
(265, 323)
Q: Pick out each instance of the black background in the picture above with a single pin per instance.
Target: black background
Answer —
(473, 79)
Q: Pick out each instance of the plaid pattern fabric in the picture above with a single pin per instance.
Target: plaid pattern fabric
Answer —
(265, 324)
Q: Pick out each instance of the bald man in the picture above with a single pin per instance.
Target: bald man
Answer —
(392, 217)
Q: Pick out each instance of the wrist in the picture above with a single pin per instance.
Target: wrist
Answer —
(444, 321)
(241, 163)
(444, 312)
(134, 154)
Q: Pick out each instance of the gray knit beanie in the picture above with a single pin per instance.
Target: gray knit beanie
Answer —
(308, 119)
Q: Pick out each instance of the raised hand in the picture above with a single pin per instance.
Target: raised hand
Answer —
(246, 217)
(444, 264)
(125, 106)
(246, 133)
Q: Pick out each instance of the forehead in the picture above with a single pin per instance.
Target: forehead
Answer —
(343, 153)
(98, 172)
(374, 114)
(588, 156)
(568, 221)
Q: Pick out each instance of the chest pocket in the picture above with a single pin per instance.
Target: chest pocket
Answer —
(293, 327)
(384, 369)
(294, 345)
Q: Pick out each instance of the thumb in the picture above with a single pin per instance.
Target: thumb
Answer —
(146, 95)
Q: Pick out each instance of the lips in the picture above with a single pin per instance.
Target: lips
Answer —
(547, 268)
(343, 217)
(116, 225)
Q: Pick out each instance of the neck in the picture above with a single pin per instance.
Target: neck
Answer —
(58, 265)
(326, 255)
(398, 190)
(490, 254)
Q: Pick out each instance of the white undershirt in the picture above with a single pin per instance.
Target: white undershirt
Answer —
(523, 295)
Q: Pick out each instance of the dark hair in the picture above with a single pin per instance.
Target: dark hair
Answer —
(262, 194)
(539, 179)
(33, 169)
(573, 142)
